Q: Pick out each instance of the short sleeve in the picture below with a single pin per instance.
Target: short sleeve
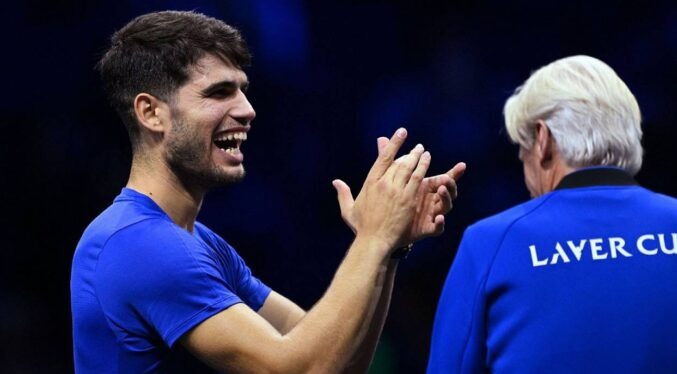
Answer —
(153, 279)
(249, 288)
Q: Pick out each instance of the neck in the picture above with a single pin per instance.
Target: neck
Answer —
(151, 176)
(559, 170)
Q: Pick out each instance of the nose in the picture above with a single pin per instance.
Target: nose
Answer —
(243, 110)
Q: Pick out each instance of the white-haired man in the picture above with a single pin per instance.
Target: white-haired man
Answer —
(580, 279)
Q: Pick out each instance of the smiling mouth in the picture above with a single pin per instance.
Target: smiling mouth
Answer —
(230, 142)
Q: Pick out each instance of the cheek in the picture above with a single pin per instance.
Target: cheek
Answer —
(199, 126)
(211, 110)
(188, 135)
(205, 115)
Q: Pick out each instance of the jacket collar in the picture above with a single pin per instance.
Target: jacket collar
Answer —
(597, 176)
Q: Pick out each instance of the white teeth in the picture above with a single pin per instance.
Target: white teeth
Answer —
(232, 136)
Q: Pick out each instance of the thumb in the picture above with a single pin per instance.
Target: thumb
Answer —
(344, 196)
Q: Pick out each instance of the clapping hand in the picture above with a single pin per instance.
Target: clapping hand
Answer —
(433, 199)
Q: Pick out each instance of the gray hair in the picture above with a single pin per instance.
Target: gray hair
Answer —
(591, 113)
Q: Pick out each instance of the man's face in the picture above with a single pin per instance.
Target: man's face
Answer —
(210, 118)
(531, 167)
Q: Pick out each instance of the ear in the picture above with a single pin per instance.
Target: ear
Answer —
(151, 112)
(544, 143)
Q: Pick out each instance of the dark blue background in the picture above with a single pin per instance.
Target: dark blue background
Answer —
(326, 80)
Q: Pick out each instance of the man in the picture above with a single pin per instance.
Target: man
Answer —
(150, 284)
(581, 279)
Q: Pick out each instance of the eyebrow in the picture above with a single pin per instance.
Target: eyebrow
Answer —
(227, 84)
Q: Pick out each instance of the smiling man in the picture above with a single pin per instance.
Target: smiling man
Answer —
(152, 290)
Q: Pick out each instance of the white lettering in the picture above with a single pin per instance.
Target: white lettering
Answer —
(577, 250)
(534, 257)
(664, 248)
(560, 253)
(596, 247)
(642, 248)
(617, 244)
(567, 251)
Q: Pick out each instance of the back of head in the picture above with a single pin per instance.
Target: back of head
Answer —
(154, 52)
(591, 113)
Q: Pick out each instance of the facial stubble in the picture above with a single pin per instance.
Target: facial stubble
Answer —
(190, 158)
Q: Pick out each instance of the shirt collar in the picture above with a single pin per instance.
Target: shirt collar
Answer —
(597, 176)
(128, 194)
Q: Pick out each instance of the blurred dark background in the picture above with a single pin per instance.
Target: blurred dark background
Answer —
(326, 80)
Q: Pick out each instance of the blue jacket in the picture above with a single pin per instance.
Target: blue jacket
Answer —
(580, 280)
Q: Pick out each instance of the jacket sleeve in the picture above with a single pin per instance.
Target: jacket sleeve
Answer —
(459, 333)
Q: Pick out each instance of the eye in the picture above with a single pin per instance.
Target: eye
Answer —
(220, 93)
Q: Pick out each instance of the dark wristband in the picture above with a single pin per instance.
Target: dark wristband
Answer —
(402, 252)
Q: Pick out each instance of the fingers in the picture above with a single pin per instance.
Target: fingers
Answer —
(436, 181)
(418, 174)
(387, 155)
(434, 227)
(447, 180)
(402, 168)
(457, 171)
(452, 188)
(381, 143)
(445, 199)
(344, 196)
(438, 225)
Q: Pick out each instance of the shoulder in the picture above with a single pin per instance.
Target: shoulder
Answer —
(560, 209)
(154, 257)
(494, 227)
(205, 233)
(116, 218)
(150, 248)
(149, 233)
(214, 240)
(660, 201)
(483, 240)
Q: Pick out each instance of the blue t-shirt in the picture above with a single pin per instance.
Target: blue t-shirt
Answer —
(580, 280)
(139, 282)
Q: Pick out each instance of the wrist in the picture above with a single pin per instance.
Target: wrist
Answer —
(373, 245)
